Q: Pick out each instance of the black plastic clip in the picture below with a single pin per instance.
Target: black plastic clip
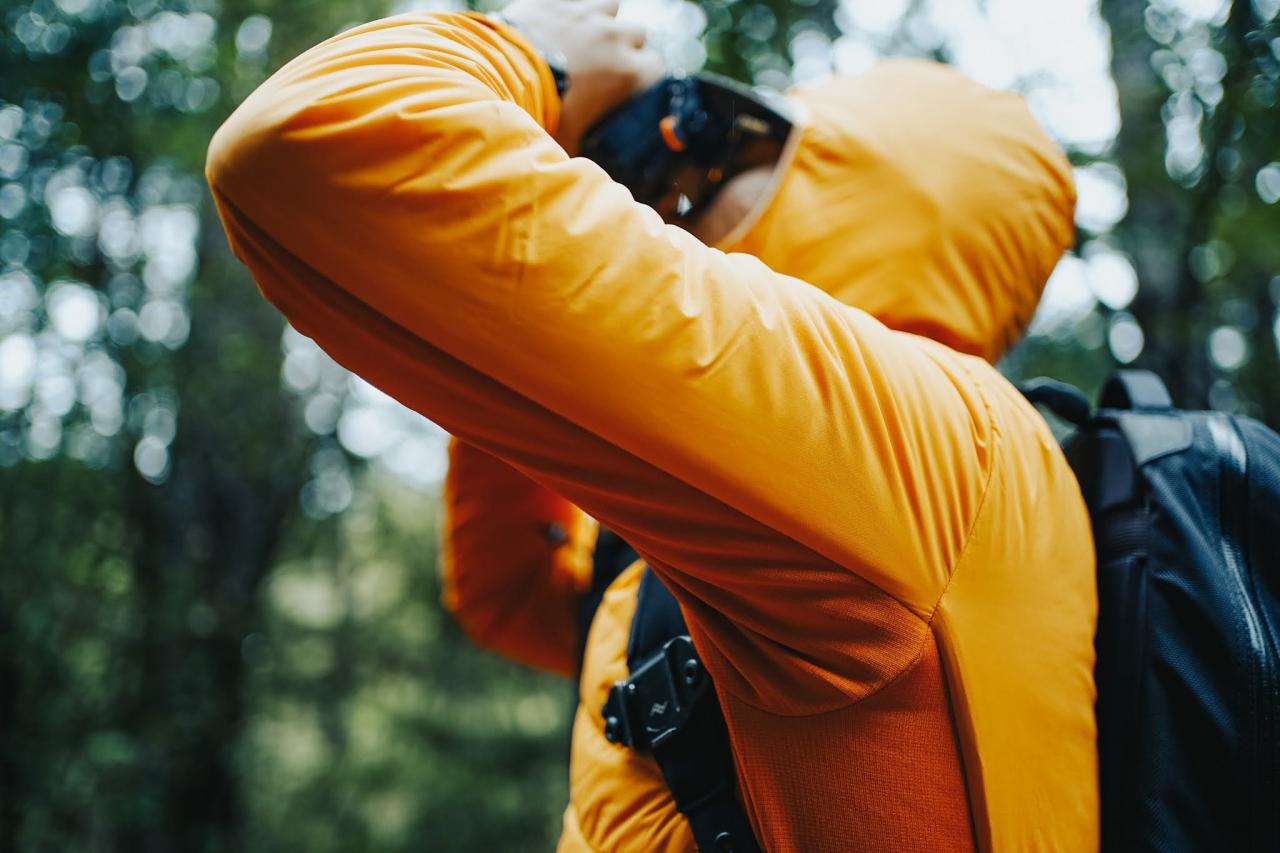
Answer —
(658, 699)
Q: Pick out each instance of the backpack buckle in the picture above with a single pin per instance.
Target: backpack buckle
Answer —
(658, 699)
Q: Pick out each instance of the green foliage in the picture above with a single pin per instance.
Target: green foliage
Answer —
(376, 724)
(1198, 149)
(157, 692)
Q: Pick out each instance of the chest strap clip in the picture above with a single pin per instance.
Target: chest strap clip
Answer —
(659, 698)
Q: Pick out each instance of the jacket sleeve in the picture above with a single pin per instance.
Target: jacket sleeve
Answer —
(803, 477)
(517, 560)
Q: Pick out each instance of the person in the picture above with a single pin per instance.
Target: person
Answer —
(882, 557)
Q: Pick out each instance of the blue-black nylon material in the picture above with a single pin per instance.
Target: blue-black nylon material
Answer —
(1188, 610)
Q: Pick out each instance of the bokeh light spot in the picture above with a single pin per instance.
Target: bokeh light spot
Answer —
(253, 35)
(74, 310)
(17, 370)
(1125, 338)
(1267, 183)
(1111, 276)
(1102, 199)
(1228, 347)
(131, 82)
(74, 210)
(151, 457)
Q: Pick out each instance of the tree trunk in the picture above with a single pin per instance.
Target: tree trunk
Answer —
(1166, 221)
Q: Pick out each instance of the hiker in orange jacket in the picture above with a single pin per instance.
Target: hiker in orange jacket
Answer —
(879, 550)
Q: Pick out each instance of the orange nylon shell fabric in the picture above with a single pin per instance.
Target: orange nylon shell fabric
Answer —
(618, 799)
(826, 497)
(890, 762)
(516, 561)
(932, 203)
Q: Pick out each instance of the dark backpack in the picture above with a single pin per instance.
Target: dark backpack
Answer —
(668, 708)
(1186, 521)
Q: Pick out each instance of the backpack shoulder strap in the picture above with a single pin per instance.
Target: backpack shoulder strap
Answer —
(668, 707)
(1135, 389)
(1134, 408)
(611, 557)
(1065, 401)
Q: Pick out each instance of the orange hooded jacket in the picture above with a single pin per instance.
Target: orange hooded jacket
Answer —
(881, 554)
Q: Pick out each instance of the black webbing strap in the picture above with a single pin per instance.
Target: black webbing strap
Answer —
(698, 767)
(1138, 390)
(669, 707)
(1135, 389)
(1065, 401)
(612, 556)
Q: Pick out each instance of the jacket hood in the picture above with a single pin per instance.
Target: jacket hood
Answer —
(933, 203)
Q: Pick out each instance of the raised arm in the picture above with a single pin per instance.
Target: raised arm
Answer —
(789, 464)
(517, 561)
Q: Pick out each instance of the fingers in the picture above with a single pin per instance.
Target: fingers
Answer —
(631, 34)
(649, 69)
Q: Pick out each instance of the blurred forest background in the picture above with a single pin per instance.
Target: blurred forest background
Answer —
(219, 617)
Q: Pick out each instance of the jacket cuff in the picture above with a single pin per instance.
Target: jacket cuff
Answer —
(540, 100)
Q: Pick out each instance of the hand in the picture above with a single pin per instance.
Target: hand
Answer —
(606, 59)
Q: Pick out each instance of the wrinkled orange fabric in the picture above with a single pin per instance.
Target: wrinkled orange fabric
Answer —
(831, 500)
(618, 797)
(516, 561)
(932, 203)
